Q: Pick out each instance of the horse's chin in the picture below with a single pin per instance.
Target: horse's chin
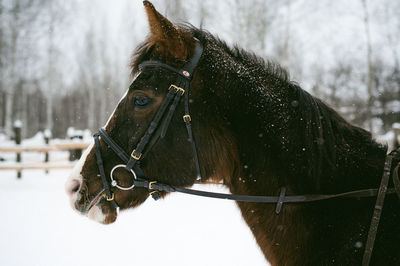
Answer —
(102, 214)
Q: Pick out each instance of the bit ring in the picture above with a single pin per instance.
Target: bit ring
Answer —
(114, 182)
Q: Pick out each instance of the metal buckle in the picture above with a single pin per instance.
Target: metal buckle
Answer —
(154, 191)
(155, 194)
(187, 117)
(136, 157)
(177, 89)
(182, 91)
(151, 185)
(107, 198)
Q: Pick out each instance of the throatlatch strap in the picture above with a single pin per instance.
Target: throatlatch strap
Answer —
(187, 118)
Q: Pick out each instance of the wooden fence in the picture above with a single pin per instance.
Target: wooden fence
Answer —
(75, 150)
(47, 164)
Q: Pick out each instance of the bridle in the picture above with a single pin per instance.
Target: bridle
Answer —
(158, 128)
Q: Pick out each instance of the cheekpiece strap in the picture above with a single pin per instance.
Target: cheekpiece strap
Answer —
(109, 196)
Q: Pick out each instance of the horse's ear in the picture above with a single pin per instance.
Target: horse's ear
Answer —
(169, 41)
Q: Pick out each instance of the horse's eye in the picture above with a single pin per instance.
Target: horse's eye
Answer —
(141, 101)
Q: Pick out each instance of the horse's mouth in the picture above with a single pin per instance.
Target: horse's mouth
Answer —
(96, 209)
(95, 200)
(99, 211)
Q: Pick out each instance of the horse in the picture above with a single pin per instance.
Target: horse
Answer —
(253, 130)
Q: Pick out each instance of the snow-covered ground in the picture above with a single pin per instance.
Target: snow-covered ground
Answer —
(38, 227)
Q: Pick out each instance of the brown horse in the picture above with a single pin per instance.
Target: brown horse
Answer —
(256, 132)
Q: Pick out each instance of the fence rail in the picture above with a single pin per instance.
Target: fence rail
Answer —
(75, 149)
(45, 148)
(40, 166)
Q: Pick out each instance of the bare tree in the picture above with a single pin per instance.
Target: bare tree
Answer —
(174, 10)
(2, 64)
(10, 72)
(252, 21)
(370, 68)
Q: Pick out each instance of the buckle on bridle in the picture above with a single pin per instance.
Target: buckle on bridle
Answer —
(155, 194)
(134, 156)
(177, 89)
(187, 118)
(107, 198)
(151, 183)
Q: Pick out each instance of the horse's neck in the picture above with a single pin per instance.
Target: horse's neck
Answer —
(265, 164)
(280, 236)
(270, 230)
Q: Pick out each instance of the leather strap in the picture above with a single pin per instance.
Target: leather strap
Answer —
(114, 146)
(154, 63)
(373, 229)
(261, 199)
(188, 122)
(100, 165)
(136, 154)
(396, 181)
(191, 65)
(172, 109)
(280, 200)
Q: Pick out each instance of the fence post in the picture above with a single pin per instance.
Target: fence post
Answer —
(74, 134)
(47, 135)
(17, 135)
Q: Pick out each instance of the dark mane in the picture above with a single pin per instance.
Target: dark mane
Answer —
(250, 59)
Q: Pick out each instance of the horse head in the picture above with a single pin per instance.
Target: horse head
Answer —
(170, 159)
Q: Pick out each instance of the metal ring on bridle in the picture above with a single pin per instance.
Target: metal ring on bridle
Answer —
(114, 182)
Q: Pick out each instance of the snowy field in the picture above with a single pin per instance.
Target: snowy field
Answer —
(38, 227)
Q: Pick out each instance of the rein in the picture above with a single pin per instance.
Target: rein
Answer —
(158, 128)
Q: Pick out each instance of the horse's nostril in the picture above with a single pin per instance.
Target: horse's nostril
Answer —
(74, 186)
